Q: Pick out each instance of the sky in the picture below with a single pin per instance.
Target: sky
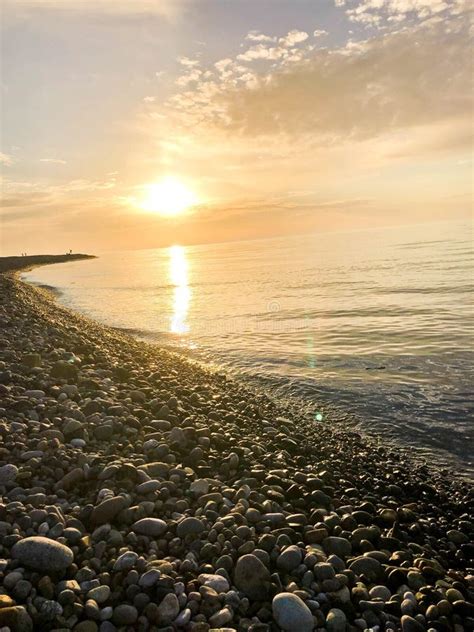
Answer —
(279, 116)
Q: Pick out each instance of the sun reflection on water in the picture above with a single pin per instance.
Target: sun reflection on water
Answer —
(178, 269)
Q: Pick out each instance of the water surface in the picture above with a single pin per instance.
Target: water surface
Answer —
(377, 323)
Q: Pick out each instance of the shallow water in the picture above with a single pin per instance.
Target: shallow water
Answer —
(377, 323)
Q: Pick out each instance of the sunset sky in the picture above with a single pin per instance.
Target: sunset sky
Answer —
(273, 116)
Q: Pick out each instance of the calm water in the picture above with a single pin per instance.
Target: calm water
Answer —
(376, 323)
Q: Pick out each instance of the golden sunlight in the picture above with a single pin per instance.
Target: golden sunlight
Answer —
(169, 197)
(178, 270)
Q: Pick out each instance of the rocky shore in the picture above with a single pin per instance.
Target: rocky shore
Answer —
(140, 491)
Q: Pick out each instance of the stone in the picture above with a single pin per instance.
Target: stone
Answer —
(16, 618)
(125, 614)
(290, 558)
(31, 360)
(8, 473)
(291, 613)
(86, 626)
(149, 579)
(409, 624)
(156, 469)
(368, 567)
(199, 487)
(380, 592)
(63, 369)
(71, 479)
(6, 601)
(168, 609)
(148, 487)
(216, 582)
(100, 594)
(220, 618)
(336, 620)
(189, 526)
(337, 546)
(152, 527)
(323, 571)
(252, 577)
(107, 510)
(126, 561)
(43, 554)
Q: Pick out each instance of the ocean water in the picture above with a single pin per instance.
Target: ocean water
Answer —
(372, 327)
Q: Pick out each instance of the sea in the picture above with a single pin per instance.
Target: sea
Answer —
(369, 328)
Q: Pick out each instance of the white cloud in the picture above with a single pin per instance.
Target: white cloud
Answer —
(256, 36)
(376, 12)
(190, 77)
(262, 52)
(223, 64)
(401, 80)
(149, 99)
(188, 62)
(54, 161)
(6, 160)
(319, 33)
(293, 37)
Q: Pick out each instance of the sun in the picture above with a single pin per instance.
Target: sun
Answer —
(168, 197)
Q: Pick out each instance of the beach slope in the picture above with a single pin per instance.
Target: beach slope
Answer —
(141, 491)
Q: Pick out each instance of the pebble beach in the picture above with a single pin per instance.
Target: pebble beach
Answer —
(142, 491)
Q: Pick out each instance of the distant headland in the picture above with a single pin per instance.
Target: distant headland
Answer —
(10, 264)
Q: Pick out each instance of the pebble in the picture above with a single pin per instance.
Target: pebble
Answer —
(168, 609)
(126, 561)
(152, 527)
(8, 473)
(124, 614)
(189, 526)
(336, 620)
(43, 554)
(290, 558)
(291, 613)
(216, 582)
(252, 577)
(107, 510)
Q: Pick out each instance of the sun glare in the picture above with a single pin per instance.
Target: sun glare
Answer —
(169, 197)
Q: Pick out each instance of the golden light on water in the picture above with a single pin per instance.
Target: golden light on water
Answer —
(178, 270)
(169, 197)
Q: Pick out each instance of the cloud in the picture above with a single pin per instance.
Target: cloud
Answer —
(191, 77)
(293, 37)
(6, 160)
(165, 8)
(256, 36)
(260, 51)
(54, 161)
(414, 76)
(319, 33)
(188, 62)
(380, 12)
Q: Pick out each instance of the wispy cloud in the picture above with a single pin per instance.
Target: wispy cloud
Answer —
(256, 36)
(54, 161)
(166, 8)
(6, 160)
(380, 13)
(408, 77)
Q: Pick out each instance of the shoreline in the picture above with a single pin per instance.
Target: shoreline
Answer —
(452, 463)
(113, 445)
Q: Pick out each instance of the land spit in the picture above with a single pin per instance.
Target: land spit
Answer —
(142, 491)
